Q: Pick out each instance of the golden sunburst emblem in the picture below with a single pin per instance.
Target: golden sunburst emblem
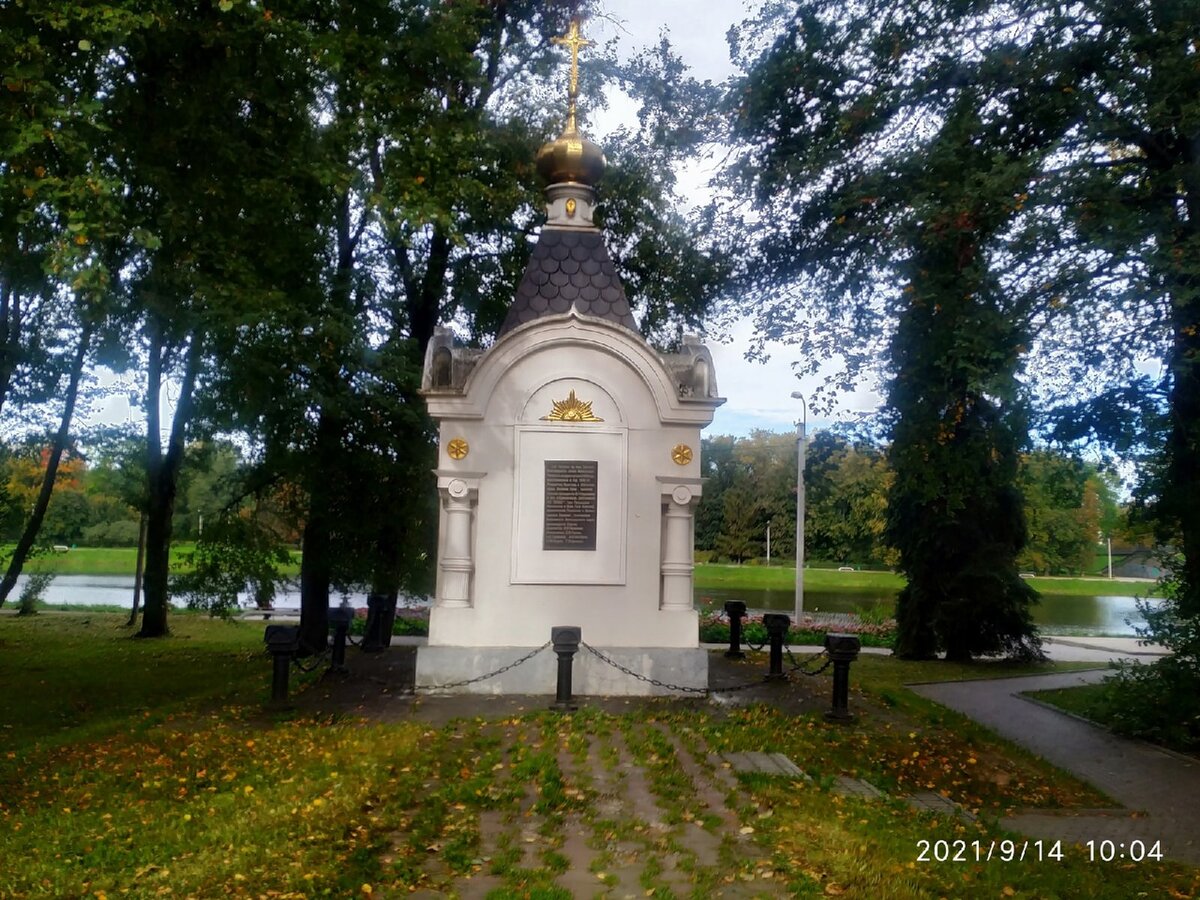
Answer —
(571, 410)
(457, 449)
(682, 454)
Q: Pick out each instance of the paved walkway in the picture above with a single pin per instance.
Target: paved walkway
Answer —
(1084, 648)
(1159, 791)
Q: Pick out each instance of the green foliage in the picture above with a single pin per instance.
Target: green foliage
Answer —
(1154, 701)
(890, 216)
(739, 533)
(123, 533)
(1068, 506)
(34, 592)
(235, 553)
(846, 487)
(1160, 701)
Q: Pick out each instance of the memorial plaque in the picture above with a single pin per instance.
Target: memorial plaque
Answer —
(570, 518)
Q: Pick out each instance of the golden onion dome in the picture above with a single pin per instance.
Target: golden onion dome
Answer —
(571, 157)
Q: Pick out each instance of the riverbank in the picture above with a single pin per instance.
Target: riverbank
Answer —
(872, 585)
(104, 576)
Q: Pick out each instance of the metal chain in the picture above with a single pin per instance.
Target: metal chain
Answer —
(512, 665)
(664, 684)
(639, 677)
(796, 666)
(317, 661)
(799, 666)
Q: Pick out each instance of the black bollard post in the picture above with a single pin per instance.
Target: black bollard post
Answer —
(566, 640)
(282, 642)
(735, 610)
(340, 618)
(777, 627)
(843, 650)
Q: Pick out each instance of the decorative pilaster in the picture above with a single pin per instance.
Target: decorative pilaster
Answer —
(679, 501)
(457, 563)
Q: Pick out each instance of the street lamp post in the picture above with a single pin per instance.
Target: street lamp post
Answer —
(800, 439)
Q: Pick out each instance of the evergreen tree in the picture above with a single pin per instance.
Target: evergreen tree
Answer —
(892, 166)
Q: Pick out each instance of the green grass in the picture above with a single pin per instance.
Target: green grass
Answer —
(782, 579)
(138, 768)
(98, 560)
(116, 560)
(68, 675)
(875, 583)
(1084, 700)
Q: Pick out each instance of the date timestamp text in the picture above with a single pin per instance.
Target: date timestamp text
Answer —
(1035, 851)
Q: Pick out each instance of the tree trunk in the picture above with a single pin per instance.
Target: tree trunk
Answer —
(137, 571)
(1183, 444)
(10, 336)
(162, 482)
(316, 564)
(34, 525)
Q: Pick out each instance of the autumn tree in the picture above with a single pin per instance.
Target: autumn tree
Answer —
(60, 247)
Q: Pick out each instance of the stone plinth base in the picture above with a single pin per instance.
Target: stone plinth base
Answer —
(438, 665)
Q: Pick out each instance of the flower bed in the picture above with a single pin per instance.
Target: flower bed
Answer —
(410, 620)
(714, 629)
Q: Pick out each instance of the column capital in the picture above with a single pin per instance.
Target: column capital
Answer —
(680, 491)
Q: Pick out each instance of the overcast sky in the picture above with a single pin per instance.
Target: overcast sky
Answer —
(758, 393)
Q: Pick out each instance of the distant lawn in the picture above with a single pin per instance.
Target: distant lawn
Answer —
(95, 560)
(782, 579)
(874, 582)
(116, 561)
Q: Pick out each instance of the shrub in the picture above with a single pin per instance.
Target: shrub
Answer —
(1155, 701)
(123, 533)
(33, 592)
(1161, 701)
(235, 554)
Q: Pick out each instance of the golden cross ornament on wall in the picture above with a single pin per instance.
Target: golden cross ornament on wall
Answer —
(576, 42)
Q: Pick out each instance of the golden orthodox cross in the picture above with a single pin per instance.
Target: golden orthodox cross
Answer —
(576, 42)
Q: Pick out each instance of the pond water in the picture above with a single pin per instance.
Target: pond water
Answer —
(1057, 613)
(117, 590)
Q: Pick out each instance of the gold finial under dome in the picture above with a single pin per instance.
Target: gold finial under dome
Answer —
(571, 157)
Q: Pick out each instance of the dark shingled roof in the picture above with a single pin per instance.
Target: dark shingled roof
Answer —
(569, 268)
